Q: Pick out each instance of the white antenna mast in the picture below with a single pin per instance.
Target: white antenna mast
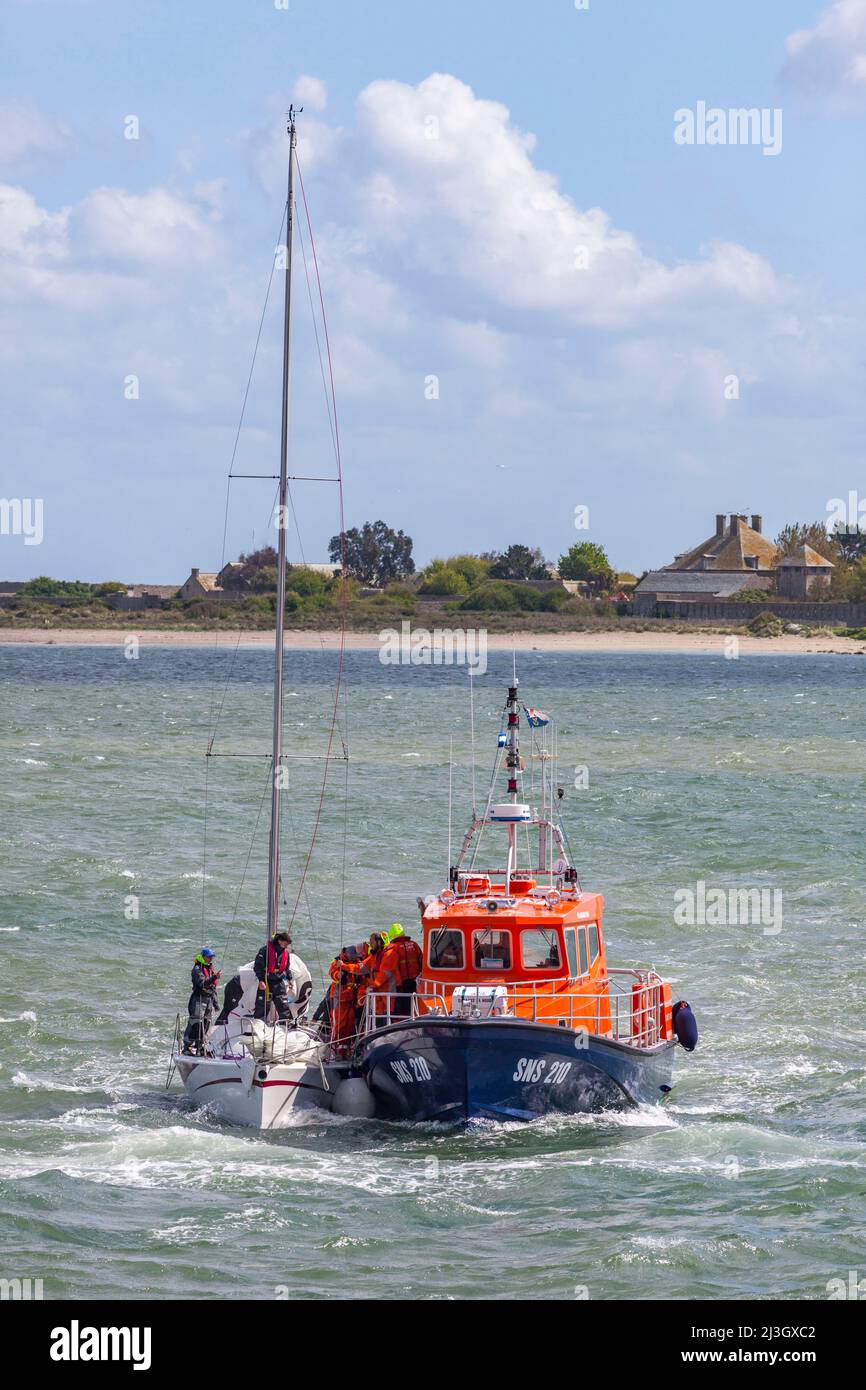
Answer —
(450, 781)
(472, 729)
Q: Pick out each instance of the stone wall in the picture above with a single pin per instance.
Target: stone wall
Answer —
(791, 610)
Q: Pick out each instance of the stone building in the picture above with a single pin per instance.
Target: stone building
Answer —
(803, 574)
(201, 584)
(737, 556)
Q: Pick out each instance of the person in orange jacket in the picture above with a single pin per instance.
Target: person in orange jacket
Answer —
(399, 970)
(343, 995)
(369, 968)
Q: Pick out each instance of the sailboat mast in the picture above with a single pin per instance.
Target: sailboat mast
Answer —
(512, 763)
(282, 515)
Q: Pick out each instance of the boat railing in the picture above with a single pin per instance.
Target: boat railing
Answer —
(624, 1004)
(383, 1007)
(637, 1006)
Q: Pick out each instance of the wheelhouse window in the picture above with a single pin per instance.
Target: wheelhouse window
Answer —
(571, 952)
(540, 949)
(581, 941)
(593, 942)
(491, 950)
(445, 949)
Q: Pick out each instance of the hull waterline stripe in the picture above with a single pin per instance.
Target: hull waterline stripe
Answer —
(259, 1085)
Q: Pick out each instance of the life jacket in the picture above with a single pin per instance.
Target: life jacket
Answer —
(206, 969)
(408, 960)
(342, 997)
(369, 969)
(278, 964)
(401, 963)
(344, 987)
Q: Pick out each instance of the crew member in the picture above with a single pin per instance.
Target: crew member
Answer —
(399, 970)
(369, 967)
(345, 973)
(202, 1002)
(272, 971)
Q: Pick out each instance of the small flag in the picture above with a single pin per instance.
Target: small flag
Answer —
(536, 718)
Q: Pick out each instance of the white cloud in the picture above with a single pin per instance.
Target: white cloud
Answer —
(311, 93)
(156, 228)
(26, 131)
(111, 242)
(448, 189)
(829, 60)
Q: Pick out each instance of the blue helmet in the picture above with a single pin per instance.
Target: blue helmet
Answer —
(208, 953)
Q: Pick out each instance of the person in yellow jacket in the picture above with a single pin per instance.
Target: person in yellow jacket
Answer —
(398, 971)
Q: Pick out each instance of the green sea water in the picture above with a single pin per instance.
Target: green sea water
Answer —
(750, 1182)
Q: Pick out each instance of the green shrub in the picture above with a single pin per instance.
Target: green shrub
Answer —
(306, 582)
(443, 579)
(748, 596)
(766, 625)
(44, 587)
(495, 597)
(502, 596)
(552, 600)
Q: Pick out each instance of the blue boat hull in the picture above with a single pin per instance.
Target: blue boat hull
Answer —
(455, 1070)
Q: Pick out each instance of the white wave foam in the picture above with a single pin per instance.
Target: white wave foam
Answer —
(27, 1017)
(46, 1083)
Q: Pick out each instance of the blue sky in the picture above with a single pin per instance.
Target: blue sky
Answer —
(447, 238)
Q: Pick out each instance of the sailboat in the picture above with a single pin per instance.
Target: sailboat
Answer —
(248, 1070)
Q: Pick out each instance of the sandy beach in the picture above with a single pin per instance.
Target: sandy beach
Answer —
(710, 643)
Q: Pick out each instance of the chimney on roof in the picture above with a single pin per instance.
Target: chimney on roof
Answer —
(735, 523)
(720, 523)
(757, 523)
(195, 574)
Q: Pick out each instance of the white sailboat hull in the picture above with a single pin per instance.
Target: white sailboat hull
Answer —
(266, 1096)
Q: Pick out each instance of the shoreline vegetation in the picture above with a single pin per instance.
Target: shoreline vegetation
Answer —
(508, 598)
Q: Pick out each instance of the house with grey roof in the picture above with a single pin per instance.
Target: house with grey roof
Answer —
(737, 556)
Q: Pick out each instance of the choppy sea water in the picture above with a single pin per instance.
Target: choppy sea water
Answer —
(750, 1182)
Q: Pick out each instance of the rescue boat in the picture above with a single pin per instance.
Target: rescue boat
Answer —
(517, 1013)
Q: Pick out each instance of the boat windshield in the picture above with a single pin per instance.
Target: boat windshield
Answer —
(540, 949)
(491, 949)
(445, 951)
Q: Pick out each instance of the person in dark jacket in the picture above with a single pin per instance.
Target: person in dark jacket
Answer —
(274, 975)
(232, 995)
(202, 1002)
